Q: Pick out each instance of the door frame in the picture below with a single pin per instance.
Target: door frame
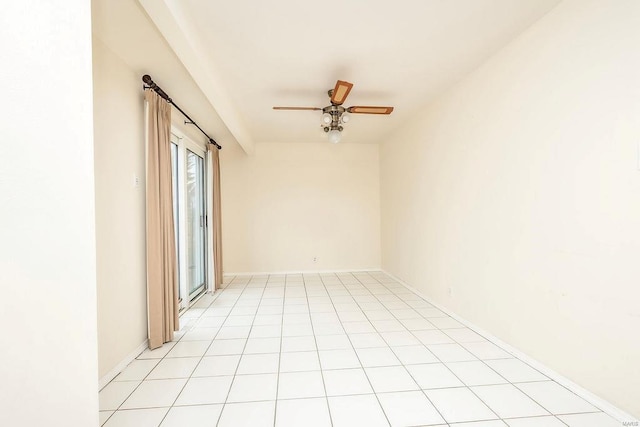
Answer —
(184, 143)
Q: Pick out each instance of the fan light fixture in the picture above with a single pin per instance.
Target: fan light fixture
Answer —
(335, 115)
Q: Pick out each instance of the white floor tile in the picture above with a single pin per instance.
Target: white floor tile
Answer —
(463, 335)
(192, 416)
(381, 356)
(350, 411)
(302, 412)
(598, 419)
(407, 313)
(485, 350)
(432, 337)
(212, 366)
(200, 334)
(547, 421)
(290, 344)
(294, 385)
(446, 323)
(262, 345)
(414, 354)
(352, 316)
(233, 332)
(254, 414)
(390, 379)
(555, 398)
(180, 367)
(410, 408)
(137, 418)
(103, 416)
(377, 312)
(433, 375)
(475, 373)
(329, 328)
(297, 330)
(258, 364)
(154, 394)
(114, 393)
(249, 388)
(189, 349)
(296, 318)
(206, 390)
(451, 352)
(268, 319)
(367, 340)
(333, 342)
(342, 382)
(391, 325)
(266, 331)
(318, 318)
(419, 324)
(515, 370)
(400, 338)
(226, 347)
(338, 359)
(508, 402)
(358, 327)
(210, 322)
(459, 405)
(299, 361)
(137, 370)
(292, 337)
(431, 312)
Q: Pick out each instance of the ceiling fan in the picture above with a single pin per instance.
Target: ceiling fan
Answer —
(335, 115)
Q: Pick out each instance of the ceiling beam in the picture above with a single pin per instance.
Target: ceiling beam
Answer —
(170, 23)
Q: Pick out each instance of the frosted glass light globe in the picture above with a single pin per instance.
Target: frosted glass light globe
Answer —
(334, 136)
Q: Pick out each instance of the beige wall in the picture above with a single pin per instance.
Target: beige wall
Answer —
(48, 374)
(120, 208)
(519, 190)
(289, 203)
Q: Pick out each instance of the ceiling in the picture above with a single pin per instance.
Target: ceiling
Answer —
(248, 56)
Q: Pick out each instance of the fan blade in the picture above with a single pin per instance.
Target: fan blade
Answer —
(298, 108)
(358, 109)
(340, 92)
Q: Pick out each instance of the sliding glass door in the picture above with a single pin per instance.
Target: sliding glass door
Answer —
(190, 217)
(196, 223)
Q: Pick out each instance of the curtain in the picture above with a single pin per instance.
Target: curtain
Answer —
(162, 298)
(216, 214)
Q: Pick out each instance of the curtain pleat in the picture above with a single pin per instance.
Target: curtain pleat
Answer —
(162, 297)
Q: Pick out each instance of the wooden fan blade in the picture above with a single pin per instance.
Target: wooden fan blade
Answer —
(340, 92)
(359, 109)
(298, 108)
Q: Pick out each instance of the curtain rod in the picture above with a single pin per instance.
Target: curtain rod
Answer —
(150, 84)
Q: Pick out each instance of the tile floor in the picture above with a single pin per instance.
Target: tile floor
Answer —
(345, 349)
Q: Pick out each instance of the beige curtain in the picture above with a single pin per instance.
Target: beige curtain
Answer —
(216, 214)
(162, 298)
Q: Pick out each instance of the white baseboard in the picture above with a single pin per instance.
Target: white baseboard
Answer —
(596, 401)
(262, 273)
(120, 366)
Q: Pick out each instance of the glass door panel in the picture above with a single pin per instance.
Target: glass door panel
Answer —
(176, 195)
(196, 227)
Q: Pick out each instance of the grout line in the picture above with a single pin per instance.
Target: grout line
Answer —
(478, 359)
(275, 407)
(394, 353)
(356, 353)
(315, 341)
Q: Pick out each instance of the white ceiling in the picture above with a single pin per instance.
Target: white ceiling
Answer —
(248, 56)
